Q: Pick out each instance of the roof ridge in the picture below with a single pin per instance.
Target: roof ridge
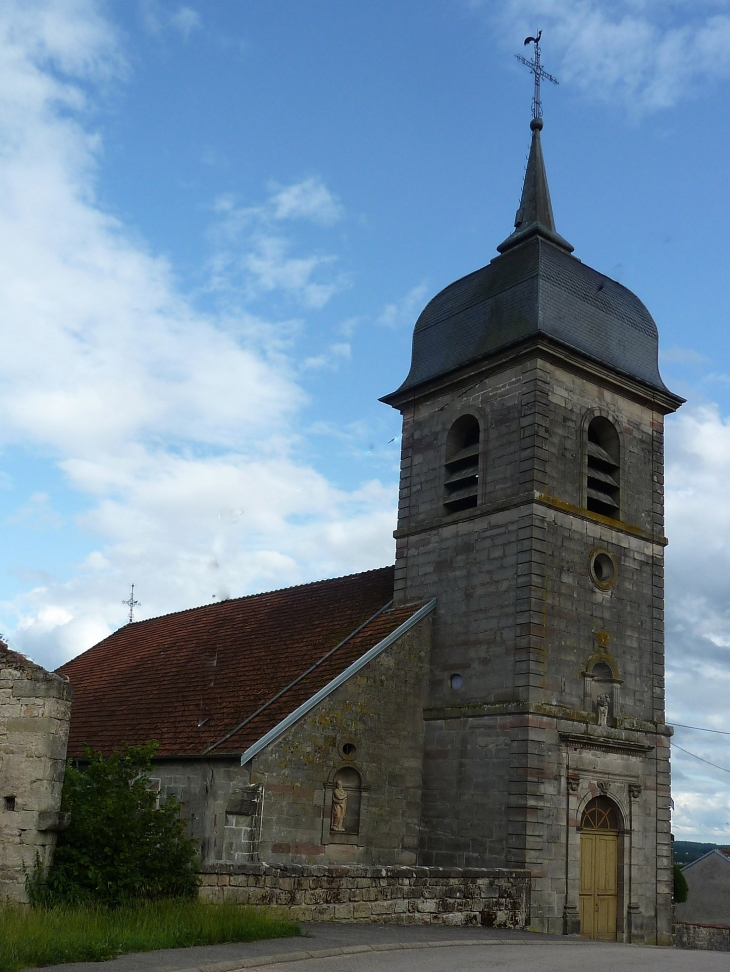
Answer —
(230, 600)
(709, 853)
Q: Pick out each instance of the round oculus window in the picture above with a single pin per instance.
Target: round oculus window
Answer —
(603, 569)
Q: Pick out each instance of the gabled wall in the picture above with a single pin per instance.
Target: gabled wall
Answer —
(379, 711)
(277, 808)
(35, 708)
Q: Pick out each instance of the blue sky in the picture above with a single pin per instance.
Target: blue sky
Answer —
(218, 223)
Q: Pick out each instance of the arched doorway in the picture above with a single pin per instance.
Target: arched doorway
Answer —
(600, 828)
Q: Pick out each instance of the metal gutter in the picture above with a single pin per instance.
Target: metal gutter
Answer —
(340, 679)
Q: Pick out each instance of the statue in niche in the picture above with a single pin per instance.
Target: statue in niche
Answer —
(602, 704)
(339, 807)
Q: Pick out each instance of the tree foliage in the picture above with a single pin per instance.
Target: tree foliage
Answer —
(680, 885)
(120, 846)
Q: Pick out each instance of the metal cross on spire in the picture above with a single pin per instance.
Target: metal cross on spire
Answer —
(539, 71)
(131, 604)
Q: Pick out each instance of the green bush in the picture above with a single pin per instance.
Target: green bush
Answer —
(119, 846)
(93, 933)
(680, 885)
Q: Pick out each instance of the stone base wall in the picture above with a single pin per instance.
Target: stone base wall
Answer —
(715, 938)
(495, 898)
(35, 707)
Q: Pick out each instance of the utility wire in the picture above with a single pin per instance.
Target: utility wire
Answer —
(721, 732)
(701, 758)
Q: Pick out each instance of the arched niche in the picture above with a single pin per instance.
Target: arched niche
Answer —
(343, 806)
(601, 680)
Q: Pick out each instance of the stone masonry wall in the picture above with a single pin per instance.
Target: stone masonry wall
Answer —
(379, 713)
(277, 807)
(35, 708)
(522, 622)
(713, 938)
(403, 895)
(206, 788)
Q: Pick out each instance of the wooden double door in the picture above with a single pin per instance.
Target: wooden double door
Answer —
(598, 884)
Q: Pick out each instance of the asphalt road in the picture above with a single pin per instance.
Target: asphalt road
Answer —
(332, 947)
(565, 956)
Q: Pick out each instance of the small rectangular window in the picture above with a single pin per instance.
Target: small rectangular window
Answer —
(10, 803)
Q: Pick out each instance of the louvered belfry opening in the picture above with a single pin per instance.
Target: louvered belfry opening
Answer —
(603, 493)
(462, 465)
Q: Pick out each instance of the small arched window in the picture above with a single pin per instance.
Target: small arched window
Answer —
(603, 467)
(346, 796)
(601, 814)
(461, 487)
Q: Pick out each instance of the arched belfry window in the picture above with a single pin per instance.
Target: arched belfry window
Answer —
(461, 487)
(603, 455)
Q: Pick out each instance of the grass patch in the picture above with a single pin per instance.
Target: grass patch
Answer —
(39, 936)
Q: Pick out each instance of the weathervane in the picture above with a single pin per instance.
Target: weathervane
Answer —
(131, 604)
(539, 71)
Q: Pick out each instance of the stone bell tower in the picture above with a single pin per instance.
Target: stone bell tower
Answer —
(531, 507)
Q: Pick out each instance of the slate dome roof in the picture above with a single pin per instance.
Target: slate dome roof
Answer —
(535, 287)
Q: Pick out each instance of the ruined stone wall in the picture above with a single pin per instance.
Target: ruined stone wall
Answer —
(713, 938)
(35, 709)
(399, 895)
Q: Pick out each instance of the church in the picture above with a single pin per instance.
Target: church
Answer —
(495, 701)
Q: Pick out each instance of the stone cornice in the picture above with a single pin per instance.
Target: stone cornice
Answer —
(542, 346)
(524, 500)
(588, 730)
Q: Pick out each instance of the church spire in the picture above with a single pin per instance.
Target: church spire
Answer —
(535, 215)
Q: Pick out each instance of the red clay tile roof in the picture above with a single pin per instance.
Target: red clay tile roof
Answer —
(219, 664)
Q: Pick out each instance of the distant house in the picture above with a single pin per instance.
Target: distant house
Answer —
(708, 900)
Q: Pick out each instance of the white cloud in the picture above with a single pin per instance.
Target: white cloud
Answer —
(405, 310)
(36, 513)
(177, 428)
(186, 20)
(270, 267)
(186, 529)
(644, 54)
(156, 17)
(251, 252)
(330, 358)
(309, 199)
(698, 615)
